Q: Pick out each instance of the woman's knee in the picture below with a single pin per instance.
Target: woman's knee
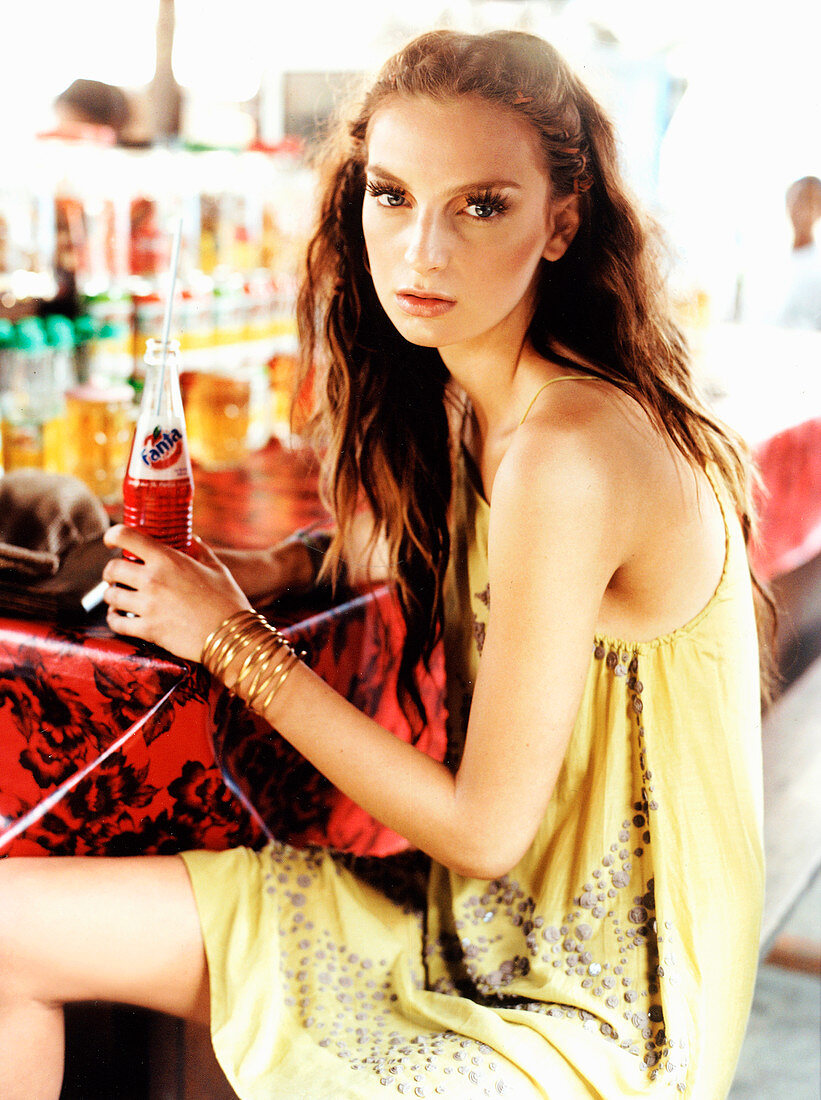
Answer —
(18, 954)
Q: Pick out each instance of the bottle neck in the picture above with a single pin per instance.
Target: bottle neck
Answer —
(161, 393)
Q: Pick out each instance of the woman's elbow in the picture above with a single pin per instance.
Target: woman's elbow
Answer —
(487, 857)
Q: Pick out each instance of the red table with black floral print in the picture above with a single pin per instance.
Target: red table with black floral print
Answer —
(108, 746)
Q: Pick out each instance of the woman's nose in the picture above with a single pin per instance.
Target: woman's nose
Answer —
(428, 248)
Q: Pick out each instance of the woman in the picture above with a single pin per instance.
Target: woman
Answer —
(505, 398)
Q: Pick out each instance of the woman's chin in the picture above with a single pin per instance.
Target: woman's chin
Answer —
(422, 332)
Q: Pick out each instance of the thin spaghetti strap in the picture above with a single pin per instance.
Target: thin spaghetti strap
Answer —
(561, 378)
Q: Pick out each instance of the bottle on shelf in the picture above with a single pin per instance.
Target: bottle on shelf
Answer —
(100, 411)
(84, 331)
(110, 349)
(158, 489)
(100, 423)
(61, 340)
(6, 351)
(33, 403)
(6, 360)
(148, 317)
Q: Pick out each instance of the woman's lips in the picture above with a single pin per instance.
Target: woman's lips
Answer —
(420, 304)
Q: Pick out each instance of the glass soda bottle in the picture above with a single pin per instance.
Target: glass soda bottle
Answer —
(158, 489)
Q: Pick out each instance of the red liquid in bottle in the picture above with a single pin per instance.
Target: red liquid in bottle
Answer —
(161, 509)
(158, 489)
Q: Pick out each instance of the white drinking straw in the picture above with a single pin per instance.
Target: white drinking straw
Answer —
(169, 306)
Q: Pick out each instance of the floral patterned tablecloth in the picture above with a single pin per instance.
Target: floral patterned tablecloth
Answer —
(202, 771)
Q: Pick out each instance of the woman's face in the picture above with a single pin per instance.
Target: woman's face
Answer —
(457, 216)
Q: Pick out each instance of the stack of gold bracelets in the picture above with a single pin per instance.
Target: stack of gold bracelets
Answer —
(267, 655)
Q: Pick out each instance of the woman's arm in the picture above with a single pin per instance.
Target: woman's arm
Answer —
(550, 559)
(293, 565)
(553, 548)
(288, 567)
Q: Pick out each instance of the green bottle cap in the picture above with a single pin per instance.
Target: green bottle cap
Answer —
(111, 331)
(60, 331)
(30, 335)
(84, 329)
(113, 294)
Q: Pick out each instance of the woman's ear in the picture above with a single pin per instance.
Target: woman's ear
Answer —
(563, 217)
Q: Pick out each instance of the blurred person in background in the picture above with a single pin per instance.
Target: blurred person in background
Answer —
(801, 301)
(780, 283)
(505, 405)
(106, 112)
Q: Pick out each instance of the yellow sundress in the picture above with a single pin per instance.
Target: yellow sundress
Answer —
(617, 959)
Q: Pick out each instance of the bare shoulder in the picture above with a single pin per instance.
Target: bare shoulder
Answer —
(592, 451)
(577, 448)
(592, 467)
(590, 430)
(554, 516)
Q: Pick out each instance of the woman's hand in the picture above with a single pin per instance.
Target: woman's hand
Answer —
(171, 599)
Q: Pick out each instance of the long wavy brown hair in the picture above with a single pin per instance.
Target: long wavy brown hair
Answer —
(381, 420)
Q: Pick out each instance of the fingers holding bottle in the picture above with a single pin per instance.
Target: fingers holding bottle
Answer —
(167, 597)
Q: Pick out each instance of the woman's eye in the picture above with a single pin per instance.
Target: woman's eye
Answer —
(485, 205)
(385, 195)
(483, 210)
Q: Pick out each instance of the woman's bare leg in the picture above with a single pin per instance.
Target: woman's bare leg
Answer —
(82, 929)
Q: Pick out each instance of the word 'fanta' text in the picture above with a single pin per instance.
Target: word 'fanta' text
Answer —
(162, 448)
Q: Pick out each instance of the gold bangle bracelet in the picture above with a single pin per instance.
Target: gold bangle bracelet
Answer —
(231, 639)
(273, 653)
(258, 670)
(262, 683)
(248, 636)
(227, 652)
(219, 631)
(257, 638)
(218, 640)
(258, 656)
(293, 658)
(247, 646)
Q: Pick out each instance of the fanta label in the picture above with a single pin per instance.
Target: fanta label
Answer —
(160, 451)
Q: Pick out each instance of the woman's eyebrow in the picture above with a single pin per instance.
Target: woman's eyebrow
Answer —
(461, 189)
